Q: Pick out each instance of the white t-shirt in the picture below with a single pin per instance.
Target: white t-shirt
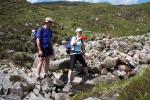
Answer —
(77, 47)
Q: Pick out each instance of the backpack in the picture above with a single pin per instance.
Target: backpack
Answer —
(34, 36)
(68, 45)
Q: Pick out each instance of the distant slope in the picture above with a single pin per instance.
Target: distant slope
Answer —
(16, 15)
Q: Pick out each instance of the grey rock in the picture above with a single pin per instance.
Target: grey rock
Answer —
(57, 75)
(47, 95)
(77, 80)
(7, 85)
(114, 45)
(2, 98)
(36, 92)
(58, 82)
(63, 42)
(32, 96)
(62, 96)
(139, 69)
(97, 80)
(37, 24)
(67, 87)
(111, 78)
(133, 63)
(26, 24)
(1, 88)
(40, 97)
(101, 45)
(147, 46)
(102, 78)
(104, 71)
(137, 45)
(110, 62)
(131, 53)
(35, 57)
(133, 38)
(122, 67)
(17, 89)
(47, 85)
(2, 34)
(59, 64)
(13, 97)
(10, 51)
(119, 73)
(95, 68)
(92, 98)
(148, 34)
(146, 59)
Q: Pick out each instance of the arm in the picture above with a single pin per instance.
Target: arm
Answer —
(74, 40)
(38, 35)
(38, 44)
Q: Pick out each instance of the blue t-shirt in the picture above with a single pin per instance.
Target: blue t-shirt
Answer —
(45, 36)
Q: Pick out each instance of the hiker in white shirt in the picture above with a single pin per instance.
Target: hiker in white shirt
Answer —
(77, 48)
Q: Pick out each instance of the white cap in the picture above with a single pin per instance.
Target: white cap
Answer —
(49, 19)
(78, 30)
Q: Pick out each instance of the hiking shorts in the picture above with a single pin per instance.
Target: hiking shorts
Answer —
(74, 58)
(47, 52)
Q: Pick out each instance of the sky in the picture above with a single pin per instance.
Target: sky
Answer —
(114, 2)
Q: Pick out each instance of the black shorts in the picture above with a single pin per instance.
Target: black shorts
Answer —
(46, 52)
(74, 58)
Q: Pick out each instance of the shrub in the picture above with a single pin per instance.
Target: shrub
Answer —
(22, 59)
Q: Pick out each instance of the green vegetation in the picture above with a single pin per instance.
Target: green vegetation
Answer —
(18, 18)
(22, 59)
(136, 88)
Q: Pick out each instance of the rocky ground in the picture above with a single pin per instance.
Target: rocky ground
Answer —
(109, 59)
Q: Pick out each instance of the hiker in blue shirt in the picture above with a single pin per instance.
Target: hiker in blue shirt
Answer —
(45, 46)
(77, 48)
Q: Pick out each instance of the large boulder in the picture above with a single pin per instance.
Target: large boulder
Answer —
(59, 64)
(14, 86)
(110, 62)
(92, 98)
(145, 59)
(62, 96)
(139, 69)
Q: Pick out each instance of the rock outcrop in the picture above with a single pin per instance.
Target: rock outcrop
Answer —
(108, 59)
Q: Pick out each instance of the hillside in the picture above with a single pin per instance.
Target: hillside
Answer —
(119, 67)
(18, 18)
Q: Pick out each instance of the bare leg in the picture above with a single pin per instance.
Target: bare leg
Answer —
(46, 68)
(39, 66)
(69, 75)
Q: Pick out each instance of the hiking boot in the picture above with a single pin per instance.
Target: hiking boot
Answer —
(47, 75)
(70, 84)
(38, 80)
(68, 87)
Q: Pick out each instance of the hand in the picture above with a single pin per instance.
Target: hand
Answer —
(40, 53)
(79, 38)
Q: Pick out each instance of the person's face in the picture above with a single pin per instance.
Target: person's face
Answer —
(79, 33)
(49, 24)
